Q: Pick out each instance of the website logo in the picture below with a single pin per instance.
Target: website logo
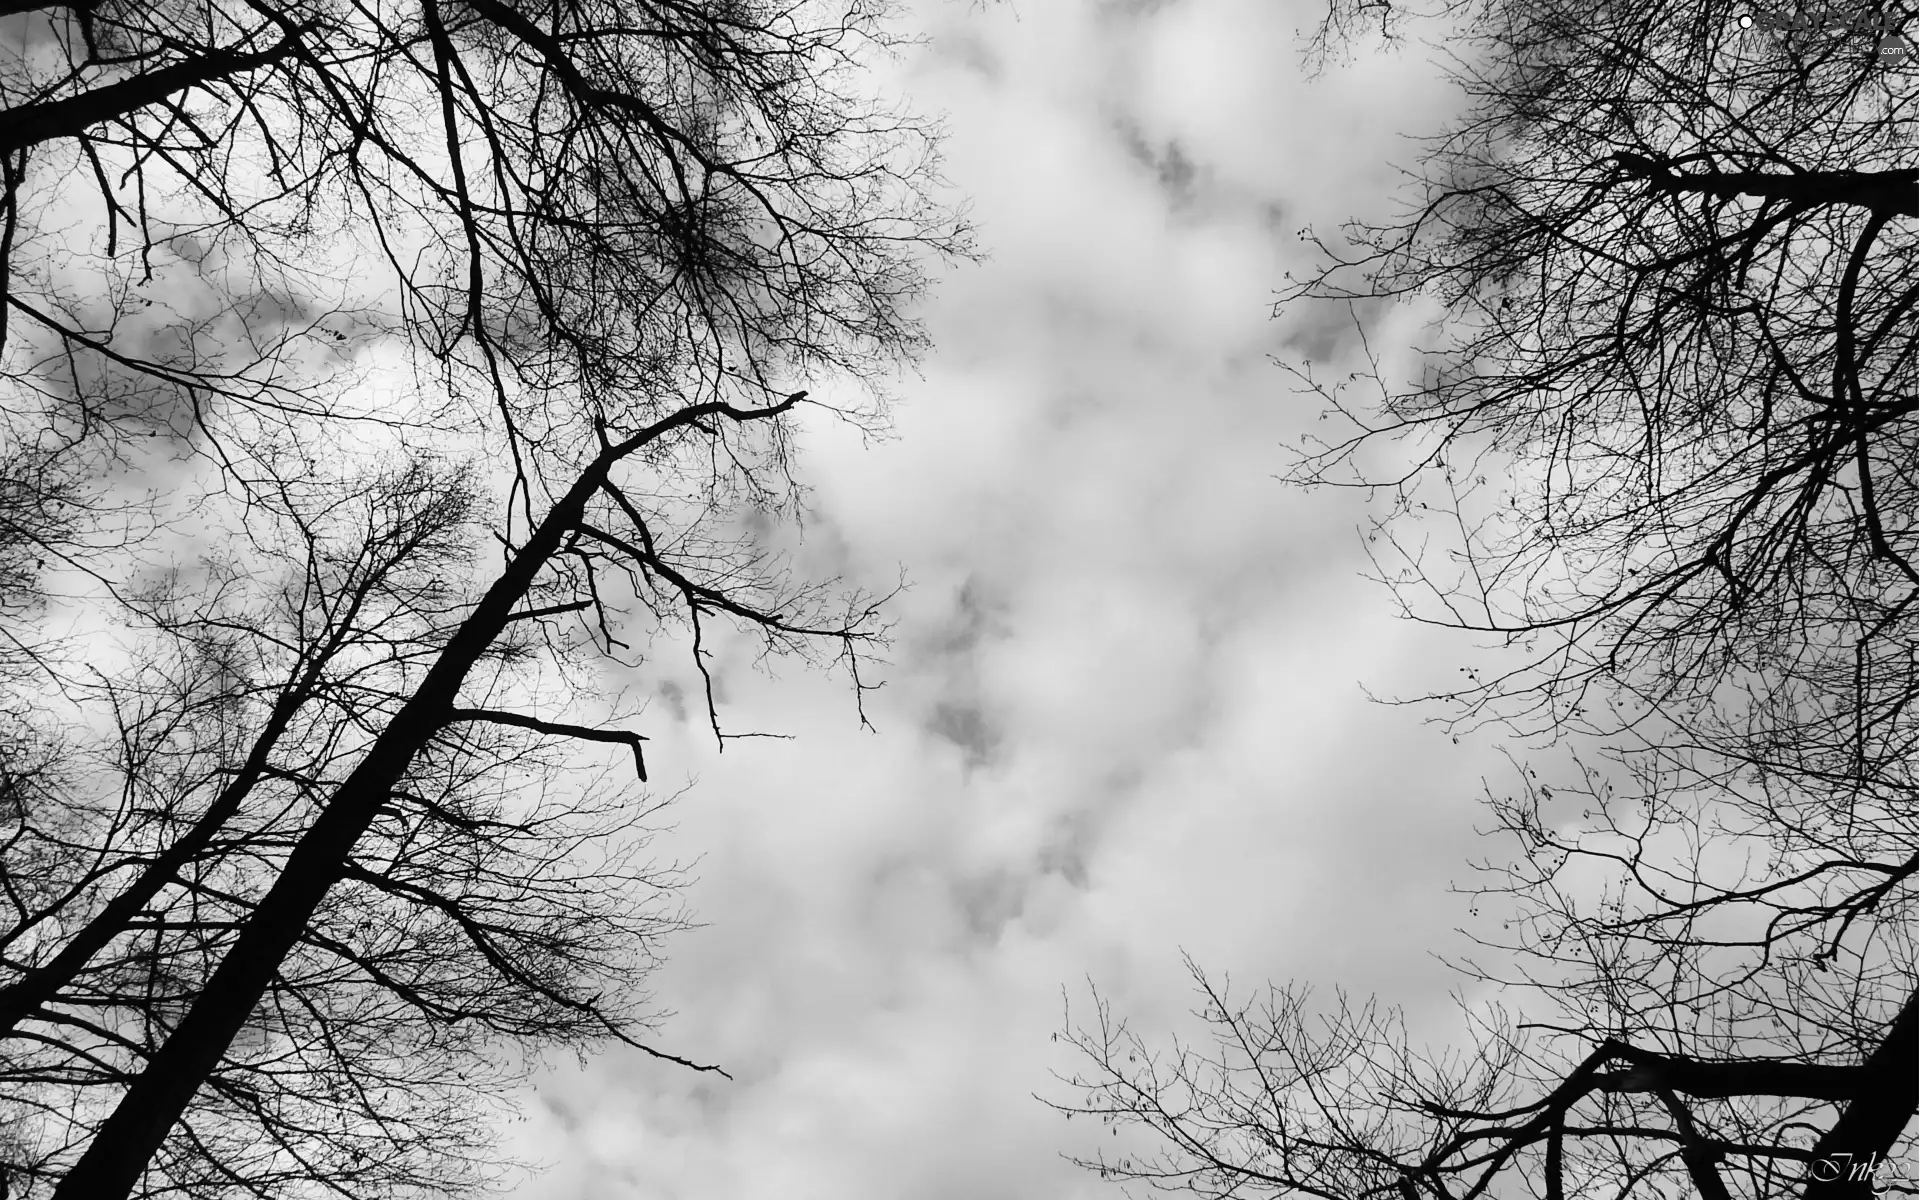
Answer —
(1817, 22)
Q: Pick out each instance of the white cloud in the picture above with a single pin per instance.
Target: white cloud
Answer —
(1124, 713)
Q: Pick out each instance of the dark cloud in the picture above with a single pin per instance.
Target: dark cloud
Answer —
(966, 726)
(1167, 161)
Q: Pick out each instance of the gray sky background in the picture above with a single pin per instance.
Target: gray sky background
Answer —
(1123, 715)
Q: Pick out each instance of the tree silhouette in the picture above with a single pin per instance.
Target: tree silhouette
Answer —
(1662, 449)
(1677, 303)
(312, 302)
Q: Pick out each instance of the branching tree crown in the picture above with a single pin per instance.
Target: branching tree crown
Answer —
(405, 356)
(1662, 449)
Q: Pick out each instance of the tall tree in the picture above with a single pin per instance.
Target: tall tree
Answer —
(538, 978)
(1661, 446)
(367, 281)
(1674, 258)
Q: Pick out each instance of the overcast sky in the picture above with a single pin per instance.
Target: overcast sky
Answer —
(1124, 713)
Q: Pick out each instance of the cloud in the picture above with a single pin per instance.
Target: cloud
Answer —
(1123, 714)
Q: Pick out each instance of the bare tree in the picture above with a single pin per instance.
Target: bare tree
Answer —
(1670, 425)
(126, 884)
(398, 947)
(1713, 997)
(296, 914)
(1662, 449)
(1292, 1098)
(1686, 1016)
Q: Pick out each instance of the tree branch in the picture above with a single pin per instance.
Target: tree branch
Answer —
(1878, 191)
(1880, 1110)
(558, 729)
(30, 124)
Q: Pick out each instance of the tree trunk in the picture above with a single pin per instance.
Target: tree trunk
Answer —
(127, 1141)
(1846, 1160)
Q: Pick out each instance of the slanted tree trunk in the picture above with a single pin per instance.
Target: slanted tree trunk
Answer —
(125, 1143)
(1845, 1159)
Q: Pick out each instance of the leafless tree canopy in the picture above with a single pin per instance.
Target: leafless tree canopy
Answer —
(368, 372)
(1675, 260)
(1661, 450)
